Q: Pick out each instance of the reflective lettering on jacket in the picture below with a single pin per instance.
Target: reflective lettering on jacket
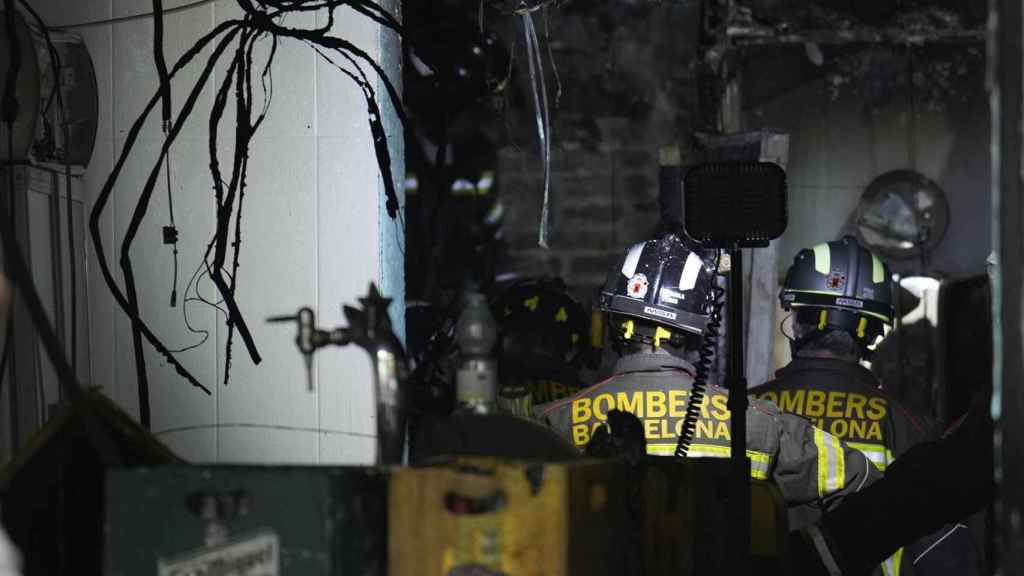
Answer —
(656, 388)
(660, 411)
(543, 391)
(849, 416)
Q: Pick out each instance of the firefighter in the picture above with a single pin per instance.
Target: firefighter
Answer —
(542, 343)
(841, 295)
(659, 297)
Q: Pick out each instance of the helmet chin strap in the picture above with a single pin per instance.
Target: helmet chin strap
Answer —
(798, 344)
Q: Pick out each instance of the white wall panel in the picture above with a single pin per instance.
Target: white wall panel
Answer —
(837, 149)
(59, 14)
(100, 42)
(102, 348)
(135, 80)
(272, 446)
(276, 275)
(124, 8)
(342, 448)
(200, 445)
(346, 223)
(848, 133)
(341, 107)
(40, 248)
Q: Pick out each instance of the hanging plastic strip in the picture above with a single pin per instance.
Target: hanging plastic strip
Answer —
(540, 102)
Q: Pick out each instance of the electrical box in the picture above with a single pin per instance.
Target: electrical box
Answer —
(481, 516)
(58, 98)
(246, 520)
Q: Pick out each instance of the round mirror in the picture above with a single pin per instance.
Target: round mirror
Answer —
(902, 214)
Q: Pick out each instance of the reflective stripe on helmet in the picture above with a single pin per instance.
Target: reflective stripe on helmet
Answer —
(690, 272)
(877, 270)
(823, 259)
(632, 259)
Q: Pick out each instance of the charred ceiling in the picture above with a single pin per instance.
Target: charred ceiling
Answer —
(879, 53)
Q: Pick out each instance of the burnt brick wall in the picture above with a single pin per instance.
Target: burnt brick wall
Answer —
(603, 200)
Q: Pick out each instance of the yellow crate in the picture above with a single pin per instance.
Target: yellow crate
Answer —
(485, 516)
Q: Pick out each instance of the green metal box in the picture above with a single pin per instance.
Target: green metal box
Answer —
(246, 521)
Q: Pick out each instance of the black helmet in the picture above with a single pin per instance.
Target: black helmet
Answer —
(542, 331)
(665, 281)
(840, 285)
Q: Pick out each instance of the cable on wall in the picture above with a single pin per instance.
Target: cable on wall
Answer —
(235, 39)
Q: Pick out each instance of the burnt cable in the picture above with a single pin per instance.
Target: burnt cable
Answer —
(170, 233)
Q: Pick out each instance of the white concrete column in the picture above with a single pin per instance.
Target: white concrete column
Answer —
(315, 233)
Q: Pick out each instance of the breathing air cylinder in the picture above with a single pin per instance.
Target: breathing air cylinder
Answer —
(476, 382)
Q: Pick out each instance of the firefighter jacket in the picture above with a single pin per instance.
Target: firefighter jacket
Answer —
(808, 464)
(844, 399)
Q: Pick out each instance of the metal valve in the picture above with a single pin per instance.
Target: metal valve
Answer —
(310, 338)
(369, 328)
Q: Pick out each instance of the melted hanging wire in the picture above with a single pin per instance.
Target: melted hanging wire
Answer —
(551, 58)
(227, 32)
(161, 64)
(540, 102)
(170, 232)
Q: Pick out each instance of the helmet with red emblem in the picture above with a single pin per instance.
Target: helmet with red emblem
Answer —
(665, 282)
(839, 285)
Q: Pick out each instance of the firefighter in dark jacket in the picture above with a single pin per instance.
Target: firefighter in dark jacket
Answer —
(659, 297)
(841, 296)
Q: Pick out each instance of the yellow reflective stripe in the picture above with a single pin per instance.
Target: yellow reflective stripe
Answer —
(877, 271)
(882, 317)
(758, 469)
(760, 462)
(819, 442)
(661, 449)
(831, 463)
(840, 478)
(891, 566)
(879, 455)
(822, 259)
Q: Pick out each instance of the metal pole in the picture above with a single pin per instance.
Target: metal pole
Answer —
(739, 501)
(1005, 61)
